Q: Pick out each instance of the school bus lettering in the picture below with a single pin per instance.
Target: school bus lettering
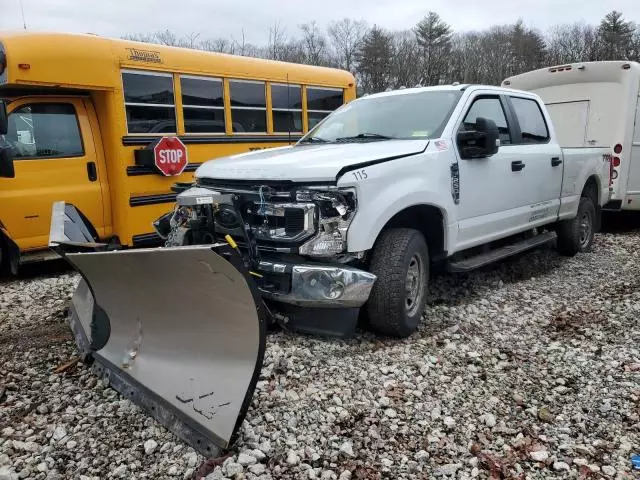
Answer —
(137, 55)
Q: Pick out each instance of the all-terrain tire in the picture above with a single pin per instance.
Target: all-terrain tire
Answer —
(400, 257)
(576, 234)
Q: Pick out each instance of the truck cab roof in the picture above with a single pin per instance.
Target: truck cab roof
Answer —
(450, 88)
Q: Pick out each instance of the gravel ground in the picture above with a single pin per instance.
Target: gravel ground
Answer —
(527, 369)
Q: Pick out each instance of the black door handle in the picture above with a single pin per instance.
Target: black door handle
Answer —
(555, 161)
(517, 166)
(92, 173)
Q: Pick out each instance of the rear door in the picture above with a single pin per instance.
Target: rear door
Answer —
(494, 191)
(55, 159)
(542, 157)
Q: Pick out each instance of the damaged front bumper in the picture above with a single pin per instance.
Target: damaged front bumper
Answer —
(318, 286)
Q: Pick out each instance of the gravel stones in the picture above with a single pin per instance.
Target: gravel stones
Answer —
(150, 446)
(465, 394)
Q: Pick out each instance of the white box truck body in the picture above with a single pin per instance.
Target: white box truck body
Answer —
(595, 105)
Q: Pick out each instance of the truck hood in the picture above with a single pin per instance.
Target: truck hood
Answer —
(307, 162)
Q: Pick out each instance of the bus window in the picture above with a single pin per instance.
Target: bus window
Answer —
(248, 106)
(203, 104)
(286, 103)
(321, 102)
(44, 130)
(149, 102)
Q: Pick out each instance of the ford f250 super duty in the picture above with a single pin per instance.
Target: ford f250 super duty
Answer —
(352, 217)
(343, 226)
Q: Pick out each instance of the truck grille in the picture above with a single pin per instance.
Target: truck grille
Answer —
(283, 221)
(293, 220)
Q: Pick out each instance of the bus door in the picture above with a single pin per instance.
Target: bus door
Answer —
(55, 159)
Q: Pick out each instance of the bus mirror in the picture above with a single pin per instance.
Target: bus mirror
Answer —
(4, 121)
(6, 163)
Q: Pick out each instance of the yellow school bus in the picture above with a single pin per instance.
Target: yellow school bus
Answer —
(82, 109)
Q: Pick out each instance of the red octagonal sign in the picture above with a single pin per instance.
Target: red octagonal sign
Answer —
(170, 156)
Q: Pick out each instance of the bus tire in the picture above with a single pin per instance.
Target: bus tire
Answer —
(9, 262)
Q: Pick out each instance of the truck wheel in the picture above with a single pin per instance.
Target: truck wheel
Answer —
(400, 260)
(576, 235)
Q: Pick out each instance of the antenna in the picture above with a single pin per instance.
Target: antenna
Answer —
(24, 22)
(289, 107)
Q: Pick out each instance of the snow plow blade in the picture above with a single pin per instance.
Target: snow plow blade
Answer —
(178, 331)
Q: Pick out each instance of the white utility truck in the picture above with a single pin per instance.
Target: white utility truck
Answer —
(357, 211)
(349, 220)
(595, 105)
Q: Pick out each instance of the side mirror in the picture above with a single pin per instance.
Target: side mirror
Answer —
(6, 163)
(4, 119)
(482, 142)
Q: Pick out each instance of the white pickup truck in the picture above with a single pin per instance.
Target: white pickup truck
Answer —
(351, 218)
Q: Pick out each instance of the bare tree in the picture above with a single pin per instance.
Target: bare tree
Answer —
(190, 41)
(221, 45)
(277, 40)
(346, 37)
(241, 45)
(141, 37)
(314, 43)
(405, 64)
(577, 42)
(167, 38)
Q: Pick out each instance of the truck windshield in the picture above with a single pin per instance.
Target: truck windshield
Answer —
(419, 115)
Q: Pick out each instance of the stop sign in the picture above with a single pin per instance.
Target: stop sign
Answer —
(170, 156)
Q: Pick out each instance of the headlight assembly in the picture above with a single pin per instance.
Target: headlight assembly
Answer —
(336, 209)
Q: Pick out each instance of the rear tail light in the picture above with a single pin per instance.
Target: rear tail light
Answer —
(614, 174)
(617, 149)
(615, 161)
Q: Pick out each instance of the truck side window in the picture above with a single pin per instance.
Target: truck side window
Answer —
(532, 124)
(44, 130)
(149, 102)
(491, 108)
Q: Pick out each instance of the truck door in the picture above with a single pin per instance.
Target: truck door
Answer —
(494, 199)
(55, 159)
(542, 157)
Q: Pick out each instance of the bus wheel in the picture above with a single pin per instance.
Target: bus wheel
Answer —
(8, 263)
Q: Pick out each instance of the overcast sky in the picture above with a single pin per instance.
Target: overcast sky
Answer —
(226, 18)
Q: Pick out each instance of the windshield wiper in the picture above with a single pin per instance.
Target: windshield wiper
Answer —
(314, 140)
(364, 136)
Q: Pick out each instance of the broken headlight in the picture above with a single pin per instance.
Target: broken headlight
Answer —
(336, 208)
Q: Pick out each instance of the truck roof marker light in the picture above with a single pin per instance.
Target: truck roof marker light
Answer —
(617, 149)
(507, 82)
(626, 66)
(582, 67)
(24, 66)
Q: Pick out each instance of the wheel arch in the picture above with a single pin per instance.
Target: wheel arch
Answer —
(592, 190)
(428, 220)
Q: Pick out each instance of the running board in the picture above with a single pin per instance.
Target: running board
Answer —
(483, 259)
